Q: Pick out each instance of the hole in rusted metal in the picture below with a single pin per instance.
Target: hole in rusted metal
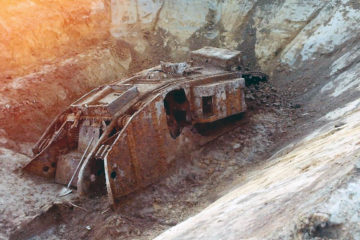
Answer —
(46, 168)
(211, 128)
(177, 110)
(53, 164)
(113, 175)
(254, 78)
(97, 178)
(207, 106)
(113, 132)
(180, 116)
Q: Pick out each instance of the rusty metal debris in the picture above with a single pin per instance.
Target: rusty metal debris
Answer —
(67, 190)
(139, 124)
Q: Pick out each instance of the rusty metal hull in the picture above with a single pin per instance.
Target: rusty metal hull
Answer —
(144, 150)
(140, 125)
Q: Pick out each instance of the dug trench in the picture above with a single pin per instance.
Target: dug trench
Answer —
(195, 181)
(309, 48)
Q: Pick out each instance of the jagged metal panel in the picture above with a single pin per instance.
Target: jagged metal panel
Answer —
(143, 151)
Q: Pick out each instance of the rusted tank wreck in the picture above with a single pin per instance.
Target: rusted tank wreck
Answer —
(130, 132)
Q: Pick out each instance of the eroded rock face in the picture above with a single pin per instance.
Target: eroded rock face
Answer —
(287, 32)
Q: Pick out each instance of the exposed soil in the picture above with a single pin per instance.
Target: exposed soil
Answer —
(33, 100)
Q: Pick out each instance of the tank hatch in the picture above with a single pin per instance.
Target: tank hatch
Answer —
(217, 57)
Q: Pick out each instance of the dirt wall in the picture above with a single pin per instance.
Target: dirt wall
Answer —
(36, 32)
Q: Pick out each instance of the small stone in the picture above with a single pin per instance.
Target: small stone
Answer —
(137, 232)
(296, 106)
(236, 146)
(339, 125)
(357, 165)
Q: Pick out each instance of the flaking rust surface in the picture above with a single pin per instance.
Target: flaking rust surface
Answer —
(152, 122)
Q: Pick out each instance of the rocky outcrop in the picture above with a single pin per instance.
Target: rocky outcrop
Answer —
(287, 32)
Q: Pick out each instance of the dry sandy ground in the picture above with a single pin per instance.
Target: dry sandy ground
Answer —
(20, 196)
